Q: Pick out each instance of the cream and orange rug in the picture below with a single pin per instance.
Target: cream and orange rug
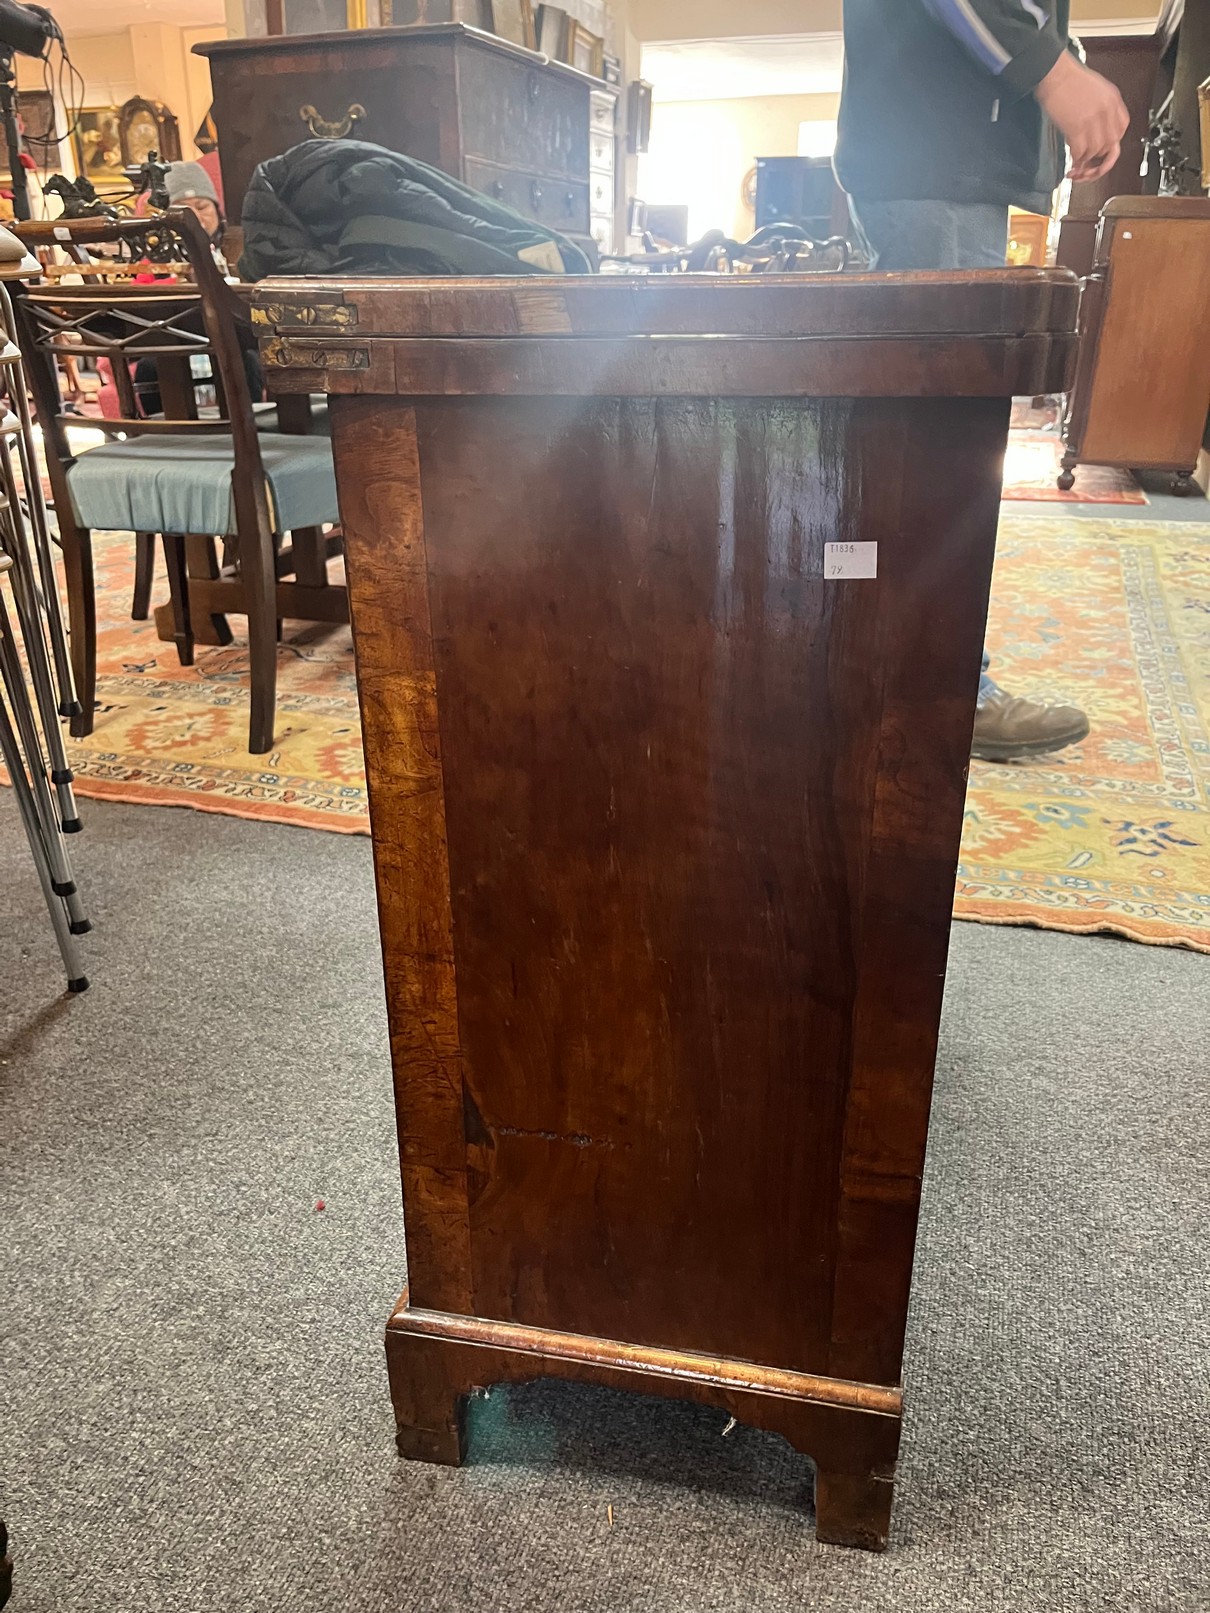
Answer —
(178, 736)
(1112, 835)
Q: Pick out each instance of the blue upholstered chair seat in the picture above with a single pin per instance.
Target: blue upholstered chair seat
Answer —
(182, 483)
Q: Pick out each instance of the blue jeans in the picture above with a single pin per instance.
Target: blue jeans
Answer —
(934, 235)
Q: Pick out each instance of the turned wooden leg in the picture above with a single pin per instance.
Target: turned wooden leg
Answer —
(854, 1509)
(1183, 485)
(1067, 475)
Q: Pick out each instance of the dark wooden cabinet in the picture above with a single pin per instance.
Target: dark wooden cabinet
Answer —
(1183, 35)
(801, 190)
(668, 598)
(1142, 388)
(526, 131)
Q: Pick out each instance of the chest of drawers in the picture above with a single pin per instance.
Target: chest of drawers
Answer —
(529, 132)
(668, 596)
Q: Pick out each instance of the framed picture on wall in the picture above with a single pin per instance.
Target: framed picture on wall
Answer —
(552, 32)
(97, 144)
(585, 50)
(514, 20)
(36, 116)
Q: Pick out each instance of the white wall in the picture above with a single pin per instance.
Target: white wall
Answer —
(701, 152)
(105, 61)
(723, 19)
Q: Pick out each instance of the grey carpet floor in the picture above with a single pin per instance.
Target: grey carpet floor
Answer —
(193, 1411)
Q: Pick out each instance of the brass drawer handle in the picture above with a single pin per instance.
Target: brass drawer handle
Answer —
(321, 129)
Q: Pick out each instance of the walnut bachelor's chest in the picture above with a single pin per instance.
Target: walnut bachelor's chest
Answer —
(668, 598)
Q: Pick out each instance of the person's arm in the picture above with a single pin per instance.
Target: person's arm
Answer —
(1089, 112)
(1018, 43)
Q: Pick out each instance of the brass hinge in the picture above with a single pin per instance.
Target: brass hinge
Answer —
(305, 316)
(278, 353)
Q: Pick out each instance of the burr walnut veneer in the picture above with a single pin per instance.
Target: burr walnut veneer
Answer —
(666, 788)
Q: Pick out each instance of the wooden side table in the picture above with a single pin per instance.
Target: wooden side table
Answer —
(1142, 386)
(668, 597)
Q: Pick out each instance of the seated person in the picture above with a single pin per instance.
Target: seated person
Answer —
(189, 185)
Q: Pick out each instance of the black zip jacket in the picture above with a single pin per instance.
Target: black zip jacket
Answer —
(348, 207)
(938, 101)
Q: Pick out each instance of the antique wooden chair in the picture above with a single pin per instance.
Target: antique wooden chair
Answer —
(175, 472)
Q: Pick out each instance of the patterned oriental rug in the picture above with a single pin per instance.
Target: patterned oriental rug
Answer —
(1031, 467)
(1111, 835)
(171, 735)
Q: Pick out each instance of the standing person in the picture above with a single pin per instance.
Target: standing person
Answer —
(953, 111)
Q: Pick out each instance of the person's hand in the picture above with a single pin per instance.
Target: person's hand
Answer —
(1088, 112)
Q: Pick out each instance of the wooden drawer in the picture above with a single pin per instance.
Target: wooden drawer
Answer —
(259, 111)
(601, 192)
(601, 150)
(560, 204)
(522, 116)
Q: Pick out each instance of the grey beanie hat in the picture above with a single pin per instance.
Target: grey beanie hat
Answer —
(187, 180)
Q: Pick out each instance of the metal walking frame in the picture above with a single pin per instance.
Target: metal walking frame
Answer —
(33, 647)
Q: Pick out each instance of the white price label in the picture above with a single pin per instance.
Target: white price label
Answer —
(62, 234)
(849, 560)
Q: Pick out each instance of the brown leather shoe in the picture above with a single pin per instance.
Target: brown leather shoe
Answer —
(1007, 727)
